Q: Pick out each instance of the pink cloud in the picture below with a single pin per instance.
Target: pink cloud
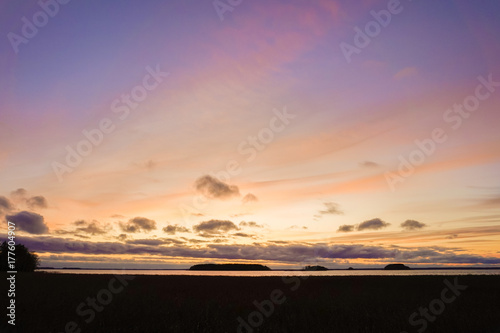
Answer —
(406, 72)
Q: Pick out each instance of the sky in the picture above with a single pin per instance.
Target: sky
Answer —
(161, 134)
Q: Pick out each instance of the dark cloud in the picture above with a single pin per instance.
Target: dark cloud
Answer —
(122, 237)
(369, 164)
(249, 198)
(215, 189)
(251, 224)
(374, 224)
(82, 236)
(242, 234)
(172, 229)
(117, 216)
(356, 252)
(345, 228)
(63, 232)
(152, 242)
(20, 196)
(412, 225)
(5, 205)
(155, 242)
(214, 227)
(30, 222)
(331, 209)
(271, 252)
(37, 202)
(93, 228)
(19, 193)
(194, 241)
(138, 224)
(219, 240)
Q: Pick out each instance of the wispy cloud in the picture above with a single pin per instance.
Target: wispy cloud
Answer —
(37, 202)
(249, 198)
(250, 224)
(331, 208)
(406, 72)
(369, 164)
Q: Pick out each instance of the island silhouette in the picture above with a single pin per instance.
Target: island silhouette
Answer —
(229, 267)
(315, 268)
(396, 267)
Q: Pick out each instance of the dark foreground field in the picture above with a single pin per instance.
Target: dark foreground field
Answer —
(65, 303)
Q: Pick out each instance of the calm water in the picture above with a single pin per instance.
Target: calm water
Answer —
(279, 273)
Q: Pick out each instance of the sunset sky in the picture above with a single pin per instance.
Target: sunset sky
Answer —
(161, 134)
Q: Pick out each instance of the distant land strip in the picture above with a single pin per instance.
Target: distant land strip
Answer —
(229, 267)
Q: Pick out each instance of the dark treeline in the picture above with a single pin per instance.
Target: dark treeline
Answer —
(23, 260)
(229, 267)
(315, 268)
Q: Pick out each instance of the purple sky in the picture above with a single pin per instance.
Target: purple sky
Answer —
(165, 133)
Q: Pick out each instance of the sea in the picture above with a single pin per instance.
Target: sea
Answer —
(355, 272)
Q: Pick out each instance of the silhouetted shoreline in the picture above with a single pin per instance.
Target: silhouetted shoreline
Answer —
(271, 269)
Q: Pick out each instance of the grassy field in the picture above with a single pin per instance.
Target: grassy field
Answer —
(57, 303)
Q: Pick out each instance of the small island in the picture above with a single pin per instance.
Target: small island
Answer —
(315, 268)
(396, 267)
(229, 267)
